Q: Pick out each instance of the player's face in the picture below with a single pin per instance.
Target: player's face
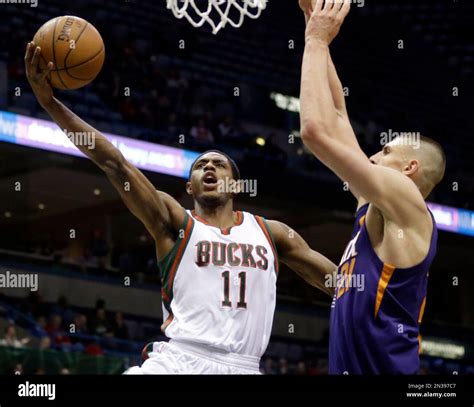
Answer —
(392, 155)
(208, 179)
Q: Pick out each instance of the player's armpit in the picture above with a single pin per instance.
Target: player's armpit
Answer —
(391, 191)
(293, 250)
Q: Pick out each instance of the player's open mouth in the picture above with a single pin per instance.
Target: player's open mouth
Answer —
(210, 180)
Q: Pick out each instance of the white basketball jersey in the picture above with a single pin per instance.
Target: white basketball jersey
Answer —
(219, 286)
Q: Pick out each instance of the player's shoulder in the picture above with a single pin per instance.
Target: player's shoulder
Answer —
(263, 222)
(251, 217)
(418, 221)
(406, 206)
(278, 230)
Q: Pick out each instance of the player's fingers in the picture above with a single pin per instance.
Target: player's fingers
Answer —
(346, 7)
(330, 6)
(28, 53)
(318, 5)
(338, 4)
(28, 56)
(35, 59)
(47, 71)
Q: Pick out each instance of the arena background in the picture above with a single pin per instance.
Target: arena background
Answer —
(407, 66)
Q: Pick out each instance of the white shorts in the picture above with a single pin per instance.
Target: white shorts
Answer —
(183, 358)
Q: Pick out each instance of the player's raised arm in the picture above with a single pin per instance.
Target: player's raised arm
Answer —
(335, 85)
(293, 250)
(337, 93)
(158, 211)
(326, 131)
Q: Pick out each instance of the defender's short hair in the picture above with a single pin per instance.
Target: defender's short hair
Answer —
(438, 173)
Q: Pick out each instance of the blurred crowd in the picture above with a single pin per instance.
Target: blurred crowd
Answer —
(97, 331)
(95, 253)
(32, 323)
(159, 94)
(62, 327)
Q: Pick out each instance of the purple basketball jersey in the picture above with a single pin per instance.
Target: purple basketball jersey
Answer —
(376, 309)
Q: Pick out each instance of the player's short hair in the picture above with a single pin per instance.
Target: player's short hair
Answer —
(235, 168)
(437, 157)
(433, 164)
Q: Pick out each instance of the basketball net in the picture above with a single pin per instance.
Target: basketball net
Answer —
(216, 13)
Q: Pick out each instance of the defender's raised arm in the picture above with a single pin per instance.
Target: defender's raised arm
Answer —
(326, 129)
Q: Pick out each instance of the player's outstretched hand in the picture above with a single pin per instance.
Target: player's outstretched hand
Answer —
(38, 78)
(326, 19)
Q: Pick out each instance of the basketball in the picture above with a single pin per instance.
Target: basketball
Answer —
(76, 49)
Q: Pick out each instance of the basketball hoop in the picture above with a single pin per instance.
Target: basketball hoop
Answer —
(216, 13)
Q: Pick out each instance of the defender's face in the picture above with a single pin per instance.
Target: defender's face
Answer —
(392, 155)
(208, 179)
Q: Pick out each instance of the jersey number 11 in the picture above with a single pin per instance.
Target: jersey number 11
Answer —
(227, 302)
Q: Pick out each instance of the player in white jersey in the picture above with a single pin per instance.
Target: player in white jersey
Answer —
(215, 283)
(219, 289)
(218, 267)
(219, 279)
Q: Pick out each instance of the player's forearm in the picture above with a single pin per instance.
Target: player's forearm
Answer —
(313, 269)
(318, 113)
(338, 97)
(86, 138)
(337, 89)
(311, 266)
(322, 267)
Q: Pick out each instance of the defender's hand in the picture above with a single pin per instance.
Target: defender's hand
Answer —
(326, 20)
(38, 78)
(306, 6)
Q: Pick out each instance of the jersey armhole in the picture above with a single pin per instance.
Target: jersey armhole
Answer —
(268, 234)
(170, 262)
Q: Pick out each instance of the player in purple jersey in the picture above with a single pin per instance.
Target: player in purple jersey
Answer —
(383, 273)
